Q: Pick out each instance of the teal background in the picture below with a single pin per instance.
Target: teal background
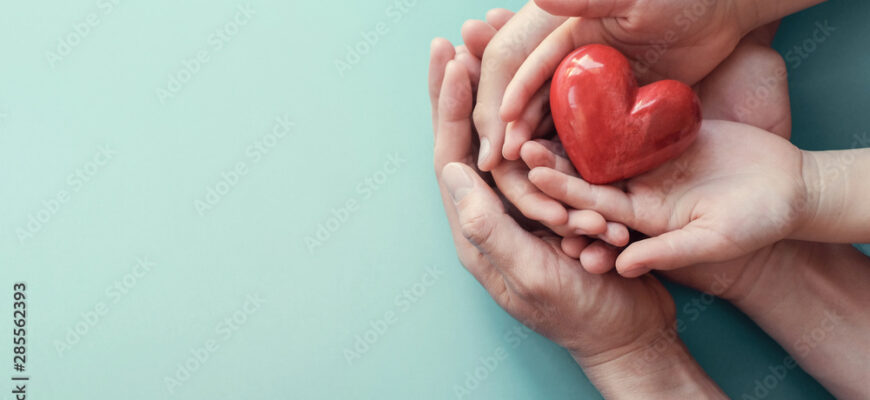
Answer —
(347, 124)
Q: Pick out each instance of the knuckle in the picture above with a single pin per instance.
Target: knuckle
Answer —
(476, 227)
(498, 50)
(532, 288)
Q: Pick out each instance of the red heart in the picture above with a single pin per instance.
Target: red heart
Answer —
(610, 128)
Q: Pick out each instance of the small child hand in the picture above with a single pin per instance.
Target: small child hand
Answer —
(737, 189)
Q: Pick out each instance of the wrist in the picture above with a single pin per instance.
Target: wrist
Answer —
(810, 298)
(657, 367)
(770, 275)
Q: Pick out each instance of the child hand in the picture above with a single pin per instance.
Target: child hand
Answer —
(677, 39)
(735, 190)
(512, 179)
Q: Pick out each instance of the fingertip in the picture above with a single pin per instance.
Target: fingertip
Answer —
(438, 45)
(527, 154)
(508, 111)
(516, 134)
(455, 99)
(587, 222)
(467, 27)
(557, 214)
(488, 159)
(532, 154)
(540, 207)
(471, 64)
(597, 258)
(450, 69)
(628, 265)
(537, 175)
(498, 17)
(617, 234)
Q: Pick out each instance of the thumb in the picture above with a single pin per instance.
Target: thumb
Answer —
(676, 249)
(485, 224)
(586, 8)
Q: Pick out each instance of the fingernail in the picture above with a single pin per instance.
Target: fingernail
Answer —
(457, 181)
(485, 148)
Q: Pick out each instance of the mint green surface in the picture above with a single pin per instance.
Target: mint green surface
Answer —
(205, 205)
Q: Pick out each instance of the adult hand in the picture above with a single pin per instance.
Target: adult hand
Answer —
(658, 36)
(603, 320)
(512, 176)
(677, 39)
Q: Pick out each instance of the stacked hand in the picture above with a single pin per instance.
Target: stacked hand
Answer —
(542, 240)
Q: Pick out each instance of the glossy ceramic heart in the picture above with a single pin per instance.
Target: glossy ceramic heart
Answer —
(610, 128)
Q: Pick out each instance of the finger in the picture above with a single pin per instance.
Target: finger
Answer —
(453, 144)
(573, 246)
(541, 64)
(476, 35)
(454, 114)
(542, 153)
(512, 179)
(498, 17)
(520, 131)
(441, 51)
(501, 59)
(675, 249)
(612, 203)
(591, 223)
(586, 222)
(471, 64)
(616, 234)
(587, 8)
(483, 222)
(598, 257)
